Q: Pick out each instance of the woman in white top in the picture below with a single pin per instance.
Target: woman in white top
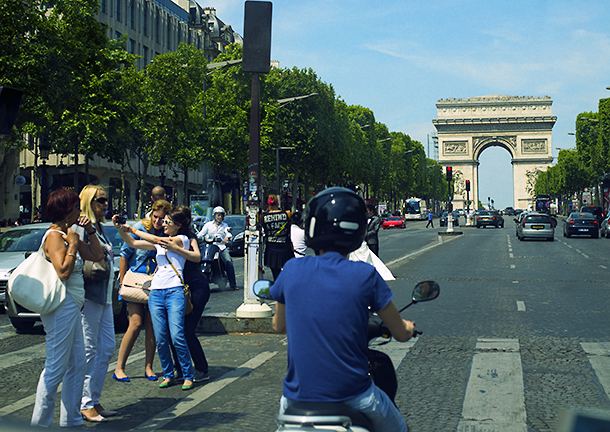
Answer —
(166, 301)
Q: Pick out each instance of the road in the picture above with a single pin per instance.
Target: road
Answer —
(519, 333)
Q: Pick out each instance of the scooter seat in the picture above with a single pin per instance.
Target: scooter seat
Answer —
(335, 409)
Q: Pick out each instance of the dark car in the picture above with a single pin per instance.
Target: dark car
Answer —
(16, 243)
(456, 219)
(581, 223)
(237, 223)
(485, 218)
(598, 212)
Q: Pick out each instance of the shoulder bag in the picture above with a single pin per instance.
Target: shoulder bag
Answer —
(187, 290)
(136, 286)
(94, 271)
(35, 285)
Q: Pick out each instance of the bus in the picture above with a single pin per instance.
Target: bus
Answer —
(415, 209)
(542, 203)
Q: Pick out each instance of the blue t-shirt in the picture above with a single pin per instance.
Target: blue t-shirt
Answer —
(326, 300)
(138, 257)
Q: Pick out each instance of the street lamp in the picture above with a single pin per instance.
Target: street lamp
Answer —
(44, 147)
(162, 164)
(285, 101)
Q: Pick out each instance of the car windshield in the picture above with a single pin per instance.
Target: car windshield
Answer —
(237, 223)
(21, 240)
(484, 212)
(115, 238)
(537, 219)
(582, 216)
(394, 218)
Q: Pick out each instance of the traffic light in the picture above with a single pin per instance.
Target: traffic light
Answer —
(449, 173)
(467, 185)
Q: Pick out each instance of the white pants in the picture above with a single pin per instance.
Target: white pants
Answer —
(98, 331)
(65, 363)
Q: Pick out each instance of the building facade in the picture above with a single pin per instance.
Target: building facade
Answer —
(152, 28)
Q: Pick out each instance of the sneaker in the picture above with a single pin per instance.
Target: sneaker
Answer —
(201, 376)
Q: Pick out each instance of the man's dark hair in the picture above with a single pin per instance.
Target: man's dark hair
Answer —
(370, 207)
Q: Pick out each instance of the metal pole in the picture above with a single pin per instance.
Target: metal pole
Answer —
(251, 308)
(277, 168)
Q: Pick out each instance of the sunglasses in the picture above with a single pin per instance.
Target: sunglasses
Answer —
(167, 221)
(101, 200)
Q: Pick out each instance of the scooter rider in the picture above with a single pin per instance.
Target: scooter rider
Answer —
(325, 314)
(218, 228)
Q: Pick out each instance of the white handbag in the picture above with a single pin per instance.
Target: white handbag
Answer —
(35, 285)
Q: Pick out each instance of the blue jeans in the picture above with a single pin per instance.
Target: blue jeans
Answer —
(167, 314)
(226, 259)
(375, 405)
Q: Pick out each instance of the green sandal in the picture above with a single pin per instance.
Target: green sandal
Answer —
(166, 384)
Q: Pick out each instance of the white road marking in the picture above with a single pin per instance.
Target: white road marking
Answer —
(495, 398)
(599, 357)
(515, 281)
(433, 245)
(512, 266)
(23, 355)
(396, 350)
(510, 255)
(204, 393)
(603, 266)
(520, 306)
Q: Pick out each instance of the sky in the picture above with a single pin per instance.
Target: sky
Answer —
(399, 57)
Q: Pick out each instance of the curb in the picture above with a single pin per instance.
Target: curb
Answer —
(229, 323)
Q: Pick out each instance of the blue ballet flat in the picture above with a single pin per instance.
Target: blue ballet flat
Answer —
(151, 377)
(126, 379)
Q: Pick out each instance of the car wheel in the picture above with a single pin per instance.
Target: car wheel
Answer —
(551, 239)
(22, 325)
(521, 238)
(595, 235)
(478, 226)
(607, 234)
(568, 235)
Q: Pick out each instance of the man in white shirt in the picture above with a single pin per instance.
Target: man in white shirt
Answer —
(218, 228)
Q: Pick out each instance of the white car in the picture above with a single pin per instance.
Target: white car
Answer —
(17, 243)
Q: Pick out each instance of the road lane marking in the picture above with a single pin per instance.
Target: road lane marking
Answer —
(194, 399)
(603, 266)
(495, 394)
(510, 255)
(23, 355)
(599, 357)
(512, 266)
(433, 245)
(520, 306)
(515, 281)
(396, 350)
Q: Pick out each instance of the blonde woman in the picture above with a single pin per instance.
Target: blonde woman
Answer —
(142, 261)
(97, 316)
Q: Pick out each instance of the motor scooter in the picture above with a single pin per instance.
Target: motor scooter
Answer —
(211, 265)
(338, 417)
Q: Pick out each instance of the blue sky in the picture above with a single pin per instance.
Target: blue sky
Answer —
(398, 57)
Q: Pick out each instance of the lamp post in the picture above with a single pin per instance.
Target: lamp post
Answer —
(44, 146)
(162, 164)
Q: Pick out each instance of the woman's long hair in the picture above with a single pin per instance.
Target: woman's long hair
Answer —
(87, 195)
(182, 216)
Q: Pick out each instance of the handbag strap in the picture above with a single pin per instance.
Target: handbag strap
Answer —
(170, 263)
(44, 238)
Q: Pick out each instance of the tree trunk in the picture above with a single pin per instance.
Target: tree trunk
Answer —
(34, 180)
(75, 165)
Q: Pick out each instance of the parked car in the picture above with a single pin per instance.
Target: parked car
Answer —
(594, 210)
(237, 223)
(394, 222)
(485, 218)
(604, 229)
(581, 223)
(536, 225)
(456, 219)
(18, 242)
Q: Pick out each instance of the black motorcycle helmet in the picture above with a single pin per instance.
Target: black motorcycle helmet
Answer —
(335, 219)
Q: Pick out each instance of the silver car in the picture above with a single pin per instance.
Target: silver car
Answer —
(17, 243)
(604, 229)
(536, 225)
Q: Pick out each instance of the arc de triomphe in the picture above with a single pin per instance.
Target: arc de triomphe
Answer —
(520, 124)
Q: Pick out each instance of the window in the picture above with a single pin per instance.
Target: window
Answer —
(132, 46)
(117, 10)
(132, 14)
(103, 6)
(145, 18)
(169, 31)
(117, 35)
(158, 28)
(145, 55)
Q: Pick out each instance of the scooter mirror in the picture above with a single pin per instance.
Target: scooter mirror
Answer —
(426, 290)
(261, 289)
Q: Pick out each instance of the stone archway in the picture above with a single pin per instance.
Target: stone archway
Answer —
(521, 125)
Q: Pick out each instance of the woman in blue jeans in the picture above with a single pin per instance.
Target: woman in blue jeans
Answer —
(166, 301)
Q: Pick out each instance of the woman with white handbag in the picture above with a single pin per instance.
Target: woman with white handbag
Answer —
(65, 362)
(166, 302)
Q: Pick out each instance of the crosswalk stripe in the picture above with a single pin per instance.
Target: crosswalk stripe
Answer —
(599, 357)
(495, 398)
